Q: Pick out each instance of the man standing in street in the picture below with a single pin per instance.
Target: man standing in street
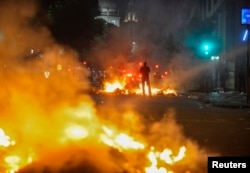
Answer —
(144, 71)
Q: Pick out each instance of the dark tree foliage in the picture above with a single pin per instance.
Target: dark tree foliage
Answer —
(73, 22)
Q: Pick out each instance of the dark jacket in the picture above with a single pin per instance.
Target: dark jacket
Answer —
(145, 70)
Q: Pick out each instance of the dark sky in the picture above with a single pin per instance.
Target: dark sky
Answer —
(168, 14)
(160, 21)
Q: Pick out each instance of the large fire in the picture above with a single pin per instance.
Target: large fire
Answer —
(49, 122)
(44, 116)
(77, 126)
(119, 86)
(107, 136)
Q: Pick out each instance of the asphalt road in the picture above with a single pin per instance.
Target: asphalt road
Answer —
(168, 120)
(222, 131)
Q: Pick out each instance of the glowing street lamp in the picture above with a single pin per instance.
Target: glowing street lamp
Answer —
(215, 58)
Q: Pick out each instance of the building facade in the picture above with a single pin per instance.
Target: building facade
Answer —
(231, 65)
(109, 12)
(130, 25)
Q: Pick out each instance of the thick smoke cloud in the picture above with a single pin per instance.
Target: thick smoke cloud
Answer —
(158, 36)
(42, 106)
(38, 79)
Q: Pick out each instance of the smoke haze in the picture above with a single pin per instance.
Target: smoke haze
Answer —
(157, 38)
(55, 128)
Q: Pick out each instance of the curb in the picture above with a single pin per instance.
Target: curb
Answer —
(222, 104)
(232, 106)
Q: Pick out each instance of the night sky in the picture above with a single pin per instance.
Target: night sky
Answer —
(157, 18)
(161, 26)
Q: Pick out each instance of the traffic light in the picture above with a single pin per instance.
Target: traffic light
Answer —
(210, 46)
(207, 48)
(204, 45)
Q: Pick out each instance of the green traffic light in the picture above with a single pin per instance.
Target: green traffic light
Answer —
(206, 47)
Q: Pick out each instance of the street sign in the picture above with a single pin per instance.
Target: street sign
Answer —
(245, 20)
(245, 16)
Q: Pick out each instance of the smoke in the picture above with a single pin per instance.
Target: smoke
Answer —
(112, 51)
(169, 133)
(156, 38)
(46, 111)
(40, 80)
(162, 28)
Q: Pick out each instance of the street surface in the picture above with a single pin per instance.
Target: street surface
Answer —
(222, 131)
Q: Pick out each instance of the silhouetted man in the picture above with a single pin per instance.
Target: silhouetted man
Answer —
(145, 70)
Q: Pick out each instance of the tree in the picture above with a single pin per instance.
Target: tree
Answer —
(73, 22)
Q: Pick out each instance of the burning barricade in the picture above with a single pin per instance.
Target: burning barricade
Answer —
(92, 146)
(131, 84)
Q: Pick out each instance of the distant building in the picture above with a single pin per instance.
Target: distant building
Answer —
(109, 12)
(130, 25)
(131, 13)
(225, 15)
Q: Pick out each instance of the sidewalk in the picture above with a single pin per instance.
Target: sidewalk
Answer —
(225, 99)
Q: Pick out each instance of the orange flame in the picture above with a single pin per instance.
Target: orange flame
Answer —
(112, 86)
(166, 156)
(43, 111)
(120, 141)
(5, 140)
(110, 137)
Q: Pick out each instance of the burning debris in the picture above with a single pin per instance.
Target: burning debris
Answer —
(73, 136)
(100, 149)
(130, 83)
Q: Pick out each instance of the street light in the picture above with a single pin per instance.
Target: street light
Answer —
(215, 58)
(215, 75)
